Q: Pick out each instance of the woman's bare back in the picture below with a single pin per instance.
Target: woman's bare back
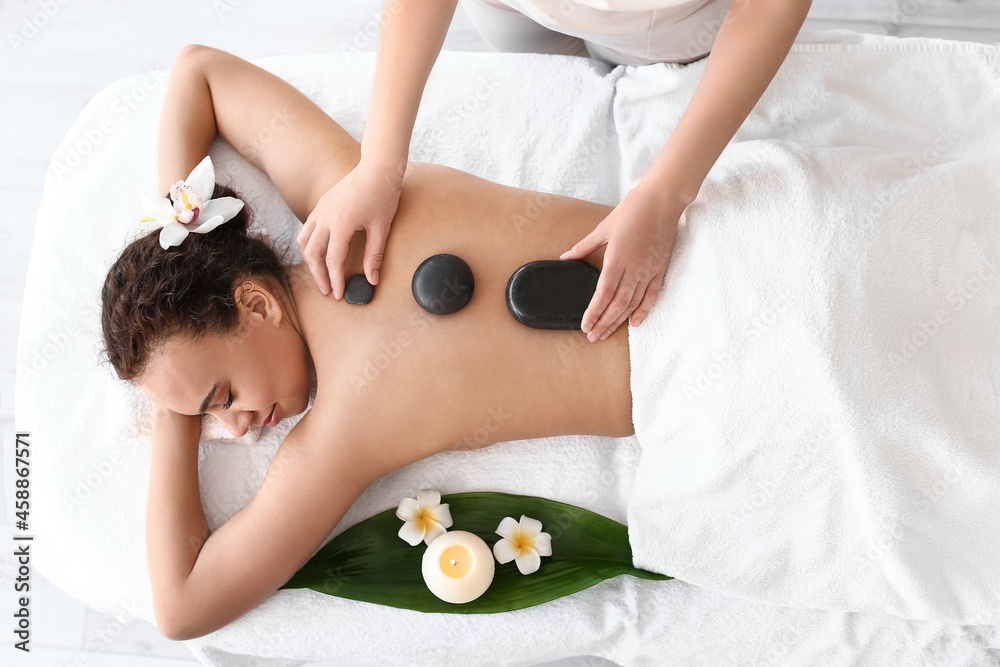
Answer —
(418, 383)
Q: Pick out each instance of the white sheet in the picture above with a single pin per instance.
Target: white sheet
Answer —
(817, 393)
(91, 432)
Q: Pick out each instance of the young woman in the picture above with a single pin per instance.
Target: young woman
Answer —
(216, 325)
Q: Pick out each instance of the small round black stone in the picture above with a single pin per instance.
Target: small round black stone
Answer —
(443, 284)
(357, 289)
(552, 293)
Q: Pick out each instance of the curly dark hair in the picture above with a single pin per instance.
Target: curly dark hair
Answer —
(151, 294)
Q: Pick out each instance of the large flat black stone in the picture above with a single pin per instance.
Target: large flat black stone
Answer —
(552, 293)
(443, 284)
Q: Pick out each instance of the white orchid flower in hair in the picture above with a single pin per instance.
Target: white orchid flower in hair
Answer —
(192, 208)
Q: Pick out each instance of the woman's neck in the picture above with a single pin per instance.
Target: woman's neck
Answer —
(300, 284)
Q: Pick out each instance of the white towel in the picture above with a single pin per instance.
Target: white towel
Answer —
(817, 390)
(481, 113)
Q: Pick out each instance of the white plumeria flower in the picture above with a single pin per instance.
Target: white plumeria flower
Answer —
(192, 209)
(426, 518)
(523, 543)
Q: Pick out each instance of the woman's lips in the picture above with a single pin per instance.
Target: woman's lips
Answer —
(273, 418)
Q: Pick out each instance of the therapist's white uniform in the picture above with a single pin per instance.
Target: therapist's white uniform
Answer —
(620, 32)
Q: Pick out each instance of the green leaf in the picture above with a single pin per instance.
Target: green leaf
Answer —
(371, 563)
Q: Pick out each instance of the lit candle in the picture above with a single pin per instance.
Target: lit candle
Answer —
(458, 566)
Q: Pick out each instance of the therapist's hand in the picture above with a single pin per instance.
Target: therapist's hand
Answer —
(639, 234)
(366, 198)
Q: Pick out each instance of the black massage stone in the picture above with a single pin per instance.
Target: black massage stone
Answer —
(552, 293)
(443, 284)
(357, 289)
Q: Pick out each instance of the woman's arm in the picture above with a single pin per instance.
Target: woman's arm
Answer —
(269, 122)
(751, 45)
(175, 522)
(411, 37)
(753, 41)
(202, 582)
(409, 43)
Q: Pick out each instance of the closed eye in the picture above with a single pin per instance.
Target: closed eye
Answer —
(229, 403)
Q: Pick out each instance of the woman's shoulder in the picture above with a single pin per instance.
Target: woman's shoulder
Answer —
(326, 433)
(351, 433)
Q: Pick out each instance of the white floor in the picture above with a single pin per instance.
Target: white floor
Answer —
(56, 54)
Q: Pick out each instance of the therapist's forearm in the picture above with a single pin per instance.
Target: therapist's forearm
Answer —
(753, 41)
(410, 40)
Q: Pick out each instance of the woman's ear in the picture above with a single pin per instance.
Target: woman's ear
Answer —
(260, 301)
(249, 299)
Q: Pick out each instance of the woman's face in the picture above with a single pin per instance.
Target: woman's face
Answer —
(241, 379)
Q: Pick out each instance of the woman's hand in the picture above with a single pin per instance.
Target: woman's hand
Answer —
(640, 235)
(366, 198)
